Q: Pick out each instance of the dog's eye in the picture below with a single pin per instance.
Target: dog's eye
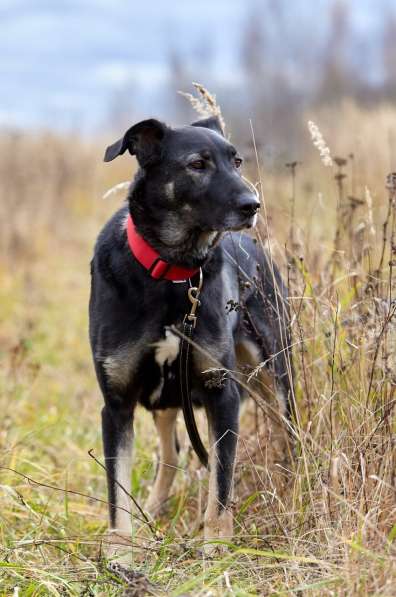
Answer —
(238, 162)
(197, 165)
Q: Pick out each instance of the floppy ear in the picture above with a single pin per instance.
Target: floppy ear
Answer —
(142, 139)
(213, 123)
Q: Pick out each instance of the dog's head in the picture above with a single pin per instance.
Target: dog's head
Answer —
(190, 180)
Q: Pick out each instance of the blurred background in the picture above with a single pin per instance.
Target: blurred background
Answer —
(87, 66)
(74, 74)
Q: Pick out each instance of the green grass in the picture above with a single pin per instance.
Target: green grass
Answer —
(326, 526)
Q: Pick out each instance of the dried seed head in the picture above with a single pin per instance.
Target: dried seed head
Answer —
(340, 176)
(340, 161)
(320, 143)
(292, 165)
(118, 188)
(370, 220)
(391, 181)
(205, 104)
(355, 201)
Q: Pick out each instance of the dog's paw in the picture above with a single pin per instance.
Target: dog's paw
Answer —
(215, 528)
(137, 583)
(118, 547)
(156, 506)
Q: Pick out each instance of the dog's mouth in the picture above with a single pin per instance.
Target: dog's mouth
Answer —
(248, 223)
(213, 234)
(209, 238)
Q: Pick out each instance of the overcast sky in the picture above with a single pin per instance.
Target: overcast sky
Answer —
(63, 62)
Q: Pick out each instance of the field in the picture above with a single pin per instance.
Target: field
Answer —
(325, 524)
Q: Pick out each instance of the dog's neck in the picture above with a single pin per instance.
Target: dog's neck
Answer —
(194, 249)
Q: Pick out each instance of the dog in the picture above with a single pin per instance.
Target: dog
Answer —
(185, 209)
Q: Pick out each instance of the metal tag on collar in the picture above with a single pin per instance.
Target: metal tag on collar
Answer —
(193, 295)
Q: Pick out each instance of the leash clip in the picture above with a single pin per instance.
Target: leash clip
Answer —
(193, 296)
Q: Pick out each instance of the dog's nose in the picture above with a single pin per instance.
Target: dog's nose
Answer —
(248, 206)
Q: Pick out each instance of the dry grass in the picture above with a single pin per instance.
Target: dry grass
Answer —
(324, 526)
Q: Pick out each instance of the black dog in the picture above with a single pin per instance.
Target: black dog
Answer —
(185, 205)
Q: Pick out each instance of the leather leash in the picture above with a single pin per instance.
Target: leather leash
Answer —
(189, 323)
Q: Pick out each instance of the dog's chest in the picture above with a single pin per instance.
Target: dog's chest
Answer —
(167, 349)
(162, 372)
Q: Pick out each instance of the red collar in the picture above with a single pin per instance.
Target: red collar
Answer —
(151, 260)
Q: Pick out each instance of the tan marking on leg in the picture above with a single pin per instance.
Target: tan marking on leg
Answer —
(165, 421)
(247, 353)
(278, 449)
(264, 385)
(205, 358)
(123, 478)
(120, 365)
(280, 397)
(119, 536)
(217, 524)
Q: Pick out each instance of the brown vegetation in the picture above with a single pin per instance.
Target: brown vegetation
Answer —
(328, 528)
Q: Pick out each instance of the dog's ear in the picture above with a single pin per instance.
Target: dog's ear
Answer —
(213, 123)
(142, 139)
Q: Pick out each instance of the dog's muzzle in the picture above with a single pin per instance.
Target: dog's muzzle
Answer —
(247, 206)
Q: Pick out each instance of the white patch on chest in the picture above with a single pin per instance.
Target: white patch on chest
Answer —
(170, 190)
(166, 351)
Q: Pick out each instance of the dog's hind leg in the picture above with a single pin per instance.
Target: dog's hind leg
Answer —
(165, 422)
(223, 420)
(117, 430)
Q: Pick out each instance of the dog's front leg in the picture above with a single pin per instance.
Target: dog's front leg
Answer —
(165, 422)
(117, 430)
(222, 409)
